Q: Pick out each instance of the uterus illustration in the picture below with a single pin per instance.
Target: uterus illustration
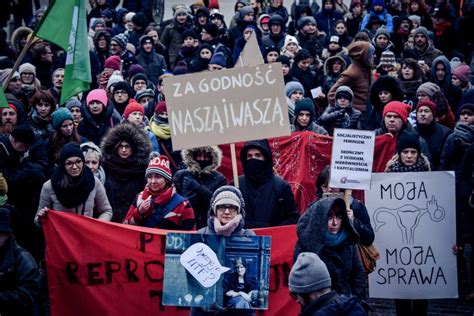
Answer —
(408, 217)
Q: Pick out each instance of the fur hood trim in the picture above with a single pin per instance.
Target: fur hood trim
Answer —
(193, 166)
(133, 135)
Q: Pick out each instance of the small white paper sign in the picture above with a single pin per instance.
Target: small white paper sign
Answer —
(316, 92)
(203, 264)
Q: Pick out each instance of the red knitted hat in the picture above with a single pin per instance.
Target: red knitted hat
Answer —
(160, 107)
(161, 166)
(400, 108)
(427, 103)
(112, 62)
(133, 106)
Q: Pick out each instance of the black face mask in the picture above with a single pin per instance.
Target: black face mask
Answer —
(257, 170)
(204, 163)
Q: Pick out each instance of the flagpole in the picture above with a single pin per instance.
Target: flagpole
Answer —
(28, 44)
(19, 60)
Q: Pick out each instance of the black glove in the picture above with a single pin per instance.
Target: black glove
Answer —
(190, 184)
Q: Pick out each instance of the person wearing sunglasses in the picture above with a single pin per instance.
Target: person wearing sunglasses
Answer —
(73, 188)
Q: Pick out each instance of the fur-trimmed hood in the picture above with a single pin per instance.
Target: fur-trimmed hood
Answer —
(18, 34)
(193, 166)
(385, 83)
(330, 61)
(133, 135)
(313, 225)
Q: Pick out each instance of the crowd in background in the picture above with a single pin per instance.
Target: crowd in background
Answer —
(401, 67)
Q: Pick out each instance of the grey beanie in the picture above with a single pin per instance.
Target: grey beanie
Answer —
(309, 274)
(421, 30)
(415, 18)
(346, 92)
(244, 11)
(73, 103)
(225, 197)
(27, 67)
(293, 86)
(382, 31)
(428, 88)
(304, 20)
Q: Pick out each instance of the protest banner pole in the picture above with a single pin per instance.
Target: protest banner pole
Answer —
(19, 60)
(235, 172)
(347, 198)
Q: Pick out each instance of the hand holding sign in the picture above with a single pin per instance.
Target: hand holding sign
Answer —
(203, 264)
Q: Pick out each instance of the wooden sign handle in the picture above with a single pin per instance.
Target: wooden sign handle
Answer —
(235, 172)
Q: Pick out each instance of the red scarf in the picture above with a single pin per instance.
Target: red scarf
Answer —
(440, 27)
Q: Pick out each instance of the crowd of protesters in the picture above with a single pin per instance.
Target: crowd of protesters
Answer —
(400, 67)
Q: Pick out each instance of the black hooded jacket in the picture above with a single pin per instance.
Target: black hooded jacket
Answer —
(125, 178)
(197, 184)
(269, 199)
(342, 261)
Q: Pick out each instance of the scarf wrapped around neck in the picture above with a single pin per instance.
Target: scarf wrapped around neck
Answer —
(77, 192)
(334, 240)
(162, 131)
(399, 167)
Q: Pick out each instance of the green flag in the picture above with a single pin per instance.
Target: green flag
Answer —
(3, 99)
(65, 25)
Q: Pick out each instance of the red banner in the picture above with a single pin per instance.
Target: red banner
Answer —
(300, 158)
(99, 268)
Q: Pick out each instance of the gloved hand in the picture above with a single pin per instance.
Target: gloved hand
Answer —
(190, 184)
(3, 186)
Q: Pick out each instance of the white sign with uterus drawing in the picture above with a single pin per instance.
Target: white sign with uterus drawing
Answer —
(413, 215)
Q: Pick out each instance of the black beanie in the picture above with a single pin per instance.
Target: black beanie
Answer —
(212, 29)
(305, 104)
(189, 33)
(24, 134)
(70, 150)
(123, 85)
(139, 76)
(284, 60)
(140, 20)
(408, 140)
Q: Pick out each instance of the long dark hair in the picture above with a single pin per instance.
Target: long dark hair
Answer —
(58, 140)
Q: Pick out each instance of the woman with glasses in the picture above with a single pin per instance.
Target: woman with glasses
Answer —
(126, 151)
(226, 217)
(73, 188)
(159, 205)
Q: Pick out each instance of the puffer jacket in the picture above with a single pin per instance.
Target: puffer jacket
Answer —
(197, 184)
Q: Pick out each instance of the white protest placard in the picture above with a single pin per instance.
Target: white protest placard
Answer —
(413, 216)
(352, 158)
(201, 261)
(227, 106)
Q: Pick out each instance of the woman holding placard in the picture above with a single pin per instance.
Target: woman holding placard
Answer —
(409, 159)
(226, 218)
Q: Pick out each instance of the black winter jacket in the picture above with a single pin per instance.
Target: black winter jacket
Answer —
(333, 304)
(19, 281)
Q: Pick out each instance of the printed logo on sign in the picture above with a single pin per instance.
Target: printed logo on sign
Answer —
(345, 180)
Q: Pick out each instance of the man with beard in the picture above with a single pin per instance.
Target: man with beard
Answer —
(268, 198)
(57, 78)
(422, 50)
(309, 36)
(9, 118)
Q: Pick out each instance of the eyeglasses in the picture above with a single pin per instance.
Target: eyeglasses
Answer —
(124, 146)
(78, 163)
(231, 208)
(120, 92)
